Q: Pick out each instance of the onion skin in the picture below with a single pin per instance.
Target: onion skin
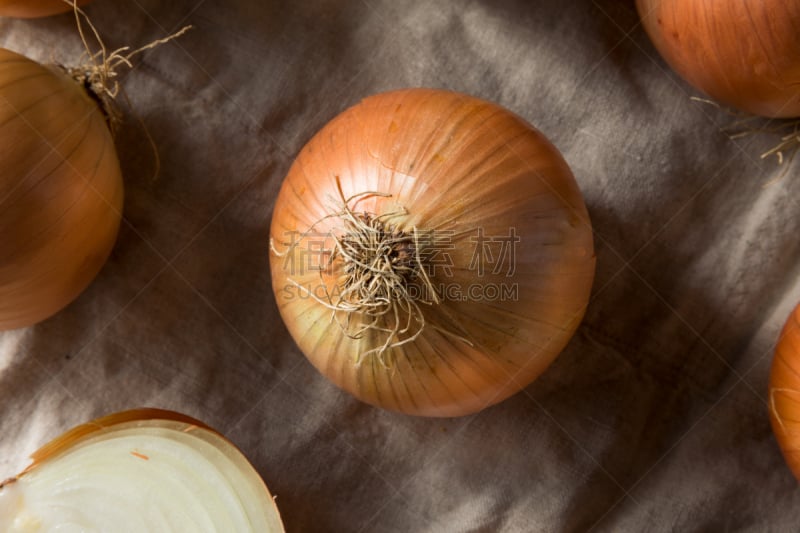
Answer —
(67, 440)
(35, 8)
(784, 387)
(457, 164)
(61, 191)
(745, 54)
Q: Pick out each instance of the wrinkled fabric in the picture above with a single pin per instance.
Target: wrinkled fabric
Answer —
(655, 416)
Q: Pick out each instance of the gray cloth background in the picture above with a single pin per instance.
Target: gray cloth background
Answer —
(655, 416)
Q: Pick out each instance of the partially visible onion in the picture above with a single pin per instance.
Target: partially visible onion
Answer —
(743, 53)
(431, 252)
(61, 190)
(136, 471)
(784, 392)
(35, 8)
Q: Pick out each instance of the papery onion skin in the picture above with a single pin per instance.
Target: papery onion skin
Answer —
(151, 429)
(745, 54)
(459, 166)
(61, 190)
(35, 8)
(143, 416)
(784, 391)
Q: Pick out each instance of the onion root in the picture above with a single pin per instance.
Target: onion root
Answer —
(383, 278)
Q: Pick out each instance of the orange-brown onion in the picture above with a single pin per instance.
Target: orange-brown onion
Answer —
(35, 8)
(784, 392)
(475, 177)
(139, 470)
(61, 190)
(743, 53)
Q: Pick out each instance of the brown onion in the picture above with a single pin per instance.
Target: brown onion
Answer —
(743, 53)
(61, 190)
(139, 470)
(35, 8)
(431, 252)
(784, 392)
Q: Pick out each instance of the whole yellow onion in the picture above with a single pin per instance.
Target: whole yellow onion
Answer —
(743, 53)
(784, 391)
(431, 252)
(35, 8)
(61, 190)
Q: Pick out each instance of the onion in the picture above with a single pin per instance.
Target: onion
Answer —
(35, 8)
(140, 470)
(61, 190)
(431, 252)
(784, 392)
(743, 53)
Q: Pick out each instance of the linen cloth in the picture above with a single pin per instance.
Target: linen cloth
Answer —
(655, 416)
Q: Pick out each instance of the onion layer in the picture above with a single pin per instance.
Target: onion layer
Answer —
(431, 252)
(743, 53)
(784, 391)
(141, 470)
(61, 190)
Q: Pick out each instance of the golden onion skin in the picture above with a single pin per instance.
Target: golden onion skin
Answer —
(35, 8)
(459, 166)
(743, 53)
(784, 387)
(61, 191)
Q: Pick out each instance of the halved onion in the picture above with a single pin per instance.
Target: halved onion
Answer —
(139, 471)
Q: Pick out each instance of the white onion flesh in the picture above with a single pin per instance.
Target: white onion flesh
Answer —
(158, 478)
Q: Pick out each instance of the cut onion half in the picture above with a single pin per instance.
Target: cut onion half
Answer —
(139, 470)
